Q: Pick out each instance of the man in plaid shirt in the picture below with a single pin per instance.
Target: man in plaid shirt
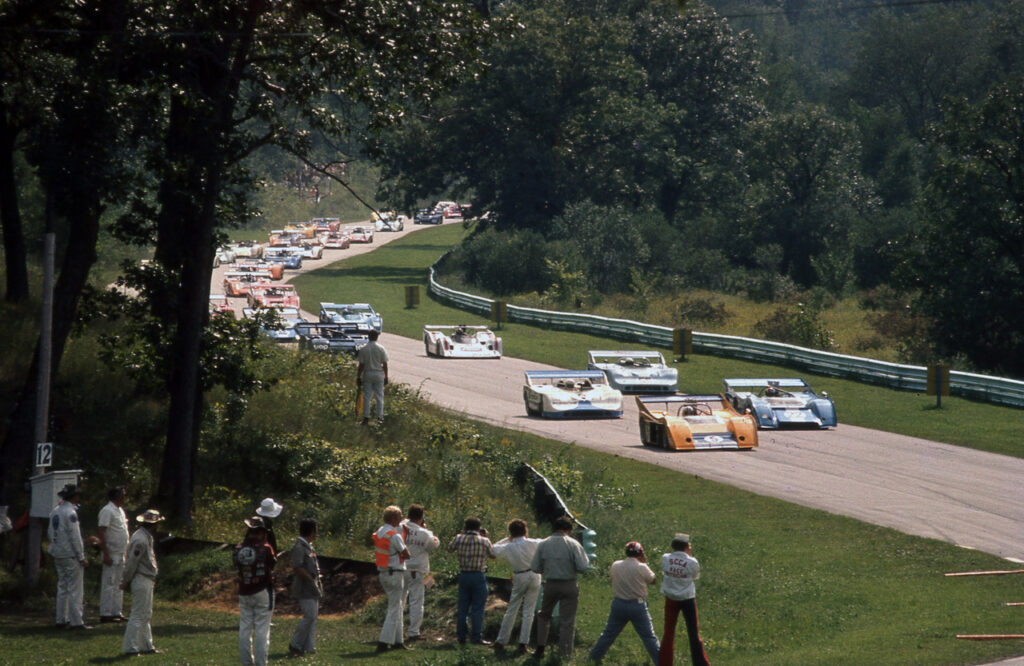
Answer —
(472, 548)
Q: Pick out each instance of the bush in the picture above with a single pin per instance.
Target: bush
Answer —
(800, 326)
(695, 312)
(485, 258)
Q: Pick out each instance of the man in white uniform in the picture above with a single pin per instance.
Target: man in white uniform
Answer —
(140, 577)
(65, 534)
(679, 571)
(113, 535)
(372, 375)
(391, 555)
(421, 542)
(518, 550)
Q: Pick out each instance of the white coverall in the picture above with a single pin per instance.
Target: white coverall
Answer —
(140, 572)
(68, 552)
(115, 536)
(421, 542)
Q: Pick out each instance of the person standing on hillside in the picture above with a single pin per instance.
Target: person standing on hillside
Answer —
(140, 572)
(472, 548)
(391, 554)
(518, 550)
(372, 375)
(630, 578)
(679, 571)
(113, 535)
(307, 588)
(559, 559)
(421, 542)
(254, 559)
(68, 551)
(268, 510)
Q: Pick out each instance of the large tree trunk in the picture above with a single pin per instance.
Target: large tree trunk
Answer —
(10, 215)
(78, 259)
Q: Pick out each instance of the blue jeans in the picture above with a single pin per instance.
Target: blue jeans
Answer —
(472, 595)
(623, 612)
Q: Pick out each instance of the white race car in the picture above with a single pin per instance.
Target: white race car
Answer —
(388, 220)
(570, 393)
(635, 371)
(461, 342)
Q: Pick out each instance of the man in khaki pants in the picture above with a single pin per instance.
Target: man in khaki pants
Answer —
(559, 558)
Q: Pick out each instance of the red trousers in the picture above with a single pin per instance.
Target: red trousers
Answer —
(689, 610)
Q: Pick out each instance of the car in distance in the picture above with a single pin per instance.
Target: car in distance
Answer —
(635, 371)
(570, 394)
(361, 314)
(335, 240)
(283, 330)
(781, 403)
(388, 220)
(284, 255)
(223, 255)
(694, 423)
(461, 341)
(360, 233)
(328, 337)
(247, 248)
(238, 284)
(219, 303)
(267, 295)
(428, 216)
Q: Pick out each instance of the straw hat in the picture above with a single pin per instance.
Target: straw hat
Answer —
(268, 508)
(151, 516)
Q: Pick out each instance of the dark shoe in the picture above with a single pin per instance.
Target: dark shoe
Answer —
(413, 639)
(522, 649)
(365, 421)
(382, 647)
(61, 625)
(380, 422)
(104, 619)
(481, 642)
(538, 654)
(400, 646)
(79, 626)
(152, 651)
(294, 651)
(499, 648)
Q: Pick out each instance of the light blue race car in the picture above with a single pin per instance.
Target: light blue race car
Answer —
(781, 403)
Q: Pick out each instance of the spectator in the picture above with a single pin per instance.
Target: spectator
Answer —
(373, 366)
(518, 549)
(254, 558)
(307, 588)
(140, 572)
(421, 542)
(113, 536)
(472, 548)
(559, 559)
(679, 571)
(391, 554)
(268, 510)
(68, 551)
(630, 578)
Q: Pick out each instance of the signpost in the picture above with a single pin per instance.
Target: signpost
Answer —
(682, 342)
(412, 296)
(499, 312)
(938, 382)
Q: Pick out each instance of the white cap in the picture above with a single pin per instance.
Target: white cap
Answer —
(269, 508)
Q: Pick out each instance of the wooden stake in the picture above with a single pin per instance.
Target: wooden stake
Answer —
(989, 637)
(985, 573)
(1014, 603)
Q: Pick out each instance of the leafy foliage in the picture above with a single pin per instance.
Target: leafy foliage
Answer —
(798, 326)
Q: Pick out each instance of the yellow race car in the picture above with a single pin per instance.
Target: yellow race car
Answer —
(694, 422)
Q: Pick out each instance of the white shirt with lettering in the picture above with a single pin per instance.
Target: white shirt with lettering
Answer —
(678, 571)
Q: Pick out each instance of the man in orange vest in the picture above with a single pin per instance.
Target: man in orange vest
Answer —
(391, 554)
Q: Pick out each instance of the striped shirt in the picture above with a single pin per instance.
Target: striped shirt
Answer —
(472, 551)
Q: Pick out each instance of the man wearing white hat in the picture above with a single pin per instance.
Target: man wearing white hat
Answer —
(140, 577)
(268, 510)
(68, 550)
(113, 534)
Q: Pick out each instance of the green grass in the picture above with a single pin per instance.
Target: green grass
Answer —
(379, 278)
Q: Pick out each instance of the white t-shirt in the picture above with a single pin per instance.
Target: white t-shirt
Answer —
(630, 578)
(421, 542)
(114, 519)
(679, 570)
(372, 356)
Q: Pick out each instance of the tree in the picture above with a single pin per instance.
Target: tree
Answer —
(965, 258)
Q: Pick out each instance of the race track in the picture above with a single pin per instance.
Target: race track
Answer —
(966, 497)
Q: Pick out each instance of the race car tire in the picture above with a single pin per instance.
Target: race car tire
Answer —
(529, 410)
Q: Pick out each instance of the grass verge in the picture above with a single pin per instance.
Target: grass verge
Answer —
(379, 278)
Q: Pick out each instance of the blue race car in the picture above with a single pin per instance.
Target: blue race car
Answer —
(781, 403)
(361, 314)
(320, 336)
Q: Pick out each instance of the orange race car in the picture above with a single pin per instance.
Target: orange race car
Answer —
(694, 422)
(267, 295)
(238, 284)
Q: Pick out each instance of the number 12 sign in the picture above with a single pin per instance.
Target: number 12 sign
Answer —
(44, 454)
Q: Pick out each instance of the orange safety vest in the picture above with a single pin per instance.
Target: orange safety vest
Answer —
(382, 548)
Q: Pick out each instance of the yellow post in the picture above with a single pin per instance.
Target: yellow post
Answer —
(412, 296)
(682, 342)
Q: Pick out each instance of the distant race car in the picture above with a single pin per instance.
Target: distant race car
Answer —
(308, 250)
(322, 336)
(461, 342)
(335, 240)
(360, 233)
(247, 248)
(223, 255)
(388, 220)
(453, 212)
(781, 403)
(428, 216)
(219, 303)
(273, 296)
(284, 255)
(238, 284)
(570, 394)
(361, 314)
(325, 224)
(635, 371)
(301, 228)
(276, 269)
(282, 238)
(284, 330)
(694, 422)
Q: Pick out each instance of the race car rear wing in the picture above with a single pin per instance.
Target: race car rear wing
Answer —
(549, 376)
(440, 327)
(792, 382)
(678, 398)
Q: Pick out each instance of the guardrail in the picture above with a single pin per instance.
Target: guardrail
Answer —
(998, 390)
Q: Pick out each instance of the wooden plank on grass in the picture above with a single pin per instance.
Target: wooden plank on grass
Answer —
(989, 637)
(985, 573)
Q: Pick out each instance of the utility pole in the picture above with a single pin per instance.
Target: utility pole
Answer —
(35, 531)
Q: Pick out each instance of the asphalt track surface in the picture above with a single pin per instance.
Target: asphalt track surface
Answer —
(966, 497)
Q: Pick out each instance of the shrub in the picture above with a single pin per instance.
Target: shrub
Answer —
(797, 326)
(485, 257)
(701, 311)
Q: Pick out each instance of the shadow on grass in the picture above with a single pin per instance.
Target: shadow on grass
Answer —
(384, 273)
